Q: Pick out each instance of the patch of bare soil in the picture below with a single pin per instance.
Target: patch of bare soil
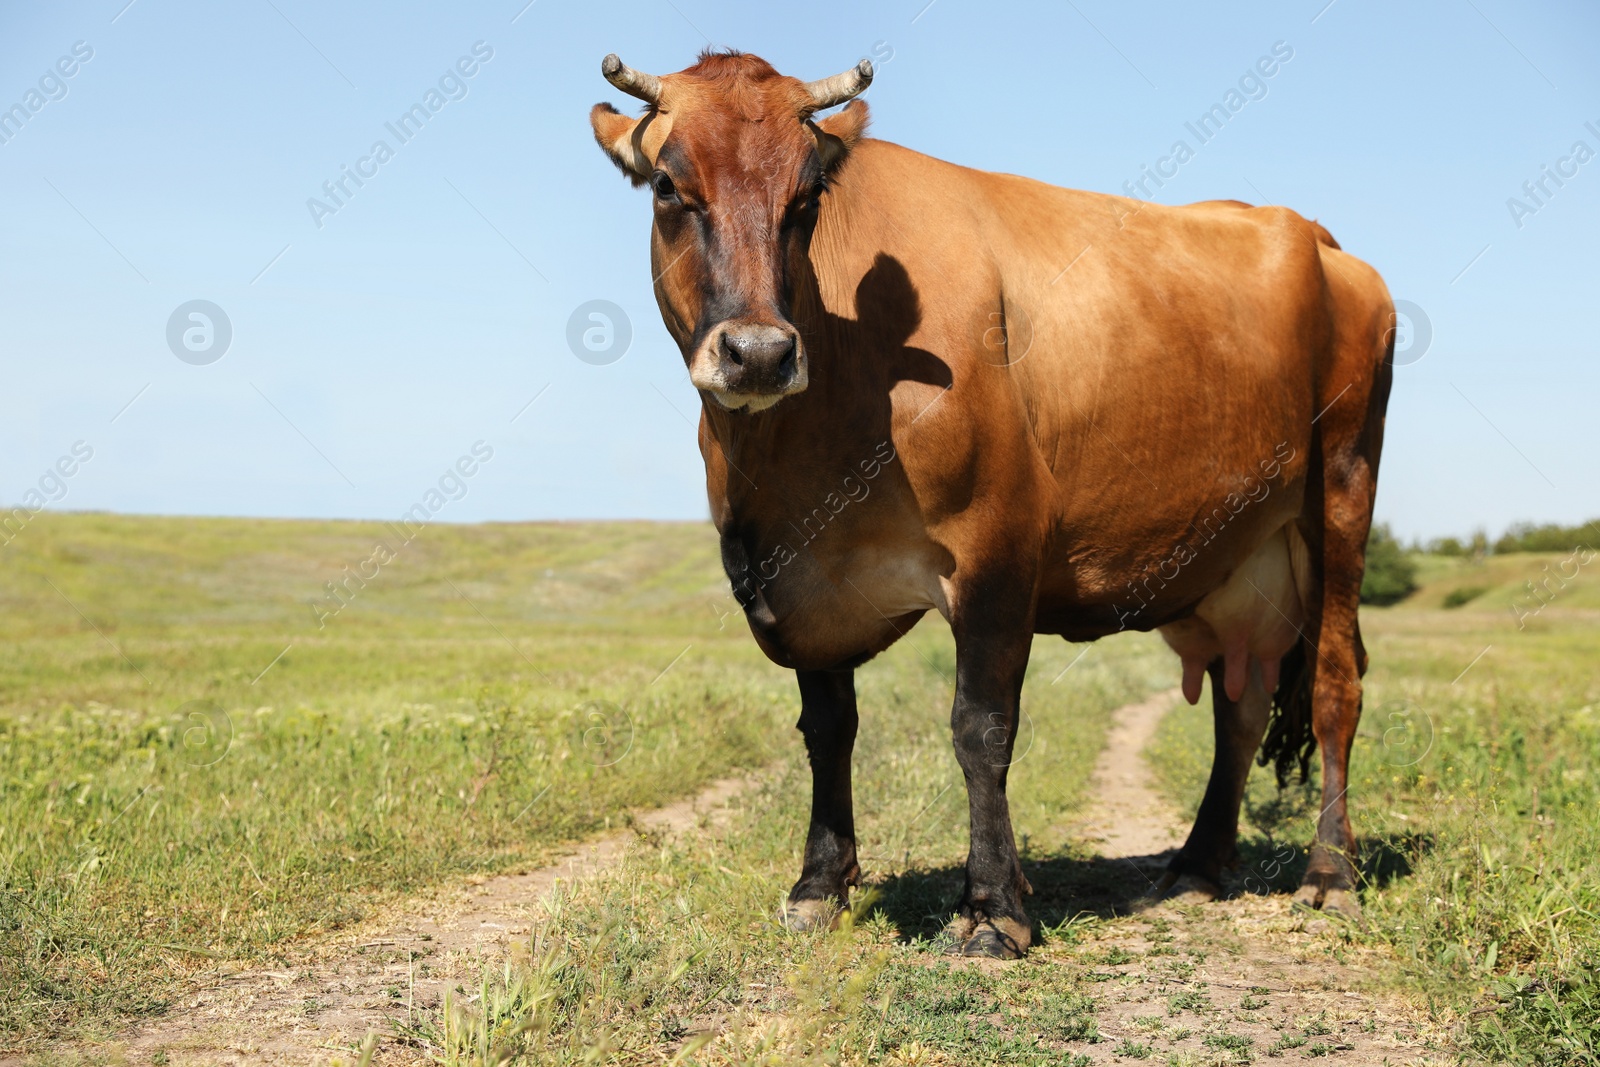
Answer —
(358, 985)
(1231, 980)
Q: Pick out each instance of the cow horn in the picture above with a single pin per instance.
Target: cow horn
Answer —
(646, 87)
(826, 92)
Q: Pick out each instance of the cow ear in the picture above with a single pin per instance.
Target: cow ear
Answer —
(621, 138)
(837, 134)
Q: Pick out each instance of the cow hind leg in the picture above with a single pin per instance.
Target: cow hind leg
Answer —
(1345, 482)
(828, 722)
(1330, 879)
(1195, 874)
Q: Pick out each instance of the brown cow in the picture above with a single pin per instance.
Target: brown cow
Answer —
(1031, 409)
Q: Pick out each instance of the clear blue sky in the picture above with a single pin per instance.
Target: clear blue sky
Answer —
(433, 305)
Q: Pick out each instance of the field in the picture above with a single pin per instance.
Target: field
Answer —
(491, 692)
(182, 797)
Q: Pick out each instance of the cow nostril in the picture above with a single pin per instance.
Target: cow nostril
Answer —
(770, 353)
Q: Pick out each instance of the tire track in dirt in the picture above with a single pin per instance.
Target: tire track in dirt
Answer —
(1232, 979)
(329, 1001)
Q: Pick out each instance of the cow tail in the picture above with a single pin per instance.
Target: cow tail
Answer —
(1290, 739)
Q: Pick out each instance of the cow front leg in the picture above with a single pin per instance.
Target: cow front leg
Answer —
(991, 920)
(828, 722)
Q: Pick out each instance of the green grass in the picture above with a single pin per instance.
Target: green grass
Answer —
(677, 952)
(1475, 786)
(1464, 594)
(421, 735)
(500, 689)
(443, 724)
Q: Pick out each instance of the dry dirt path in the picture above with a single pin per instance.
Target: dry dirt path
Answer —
(1245, 968)
(356, 985)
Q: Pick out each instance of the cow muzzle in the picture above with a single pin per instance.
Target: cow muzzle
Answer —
(750, 365)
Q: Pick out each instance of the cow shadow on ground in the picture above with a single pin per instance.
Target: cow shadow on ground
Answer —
(1075, 883)
(1066, 885)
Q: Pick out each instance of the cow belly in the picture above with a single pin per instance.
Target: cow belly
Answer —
(1251, 621)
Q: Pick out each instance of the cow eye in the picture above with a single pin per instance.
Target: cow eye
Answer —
(662, 186)
(806, 206)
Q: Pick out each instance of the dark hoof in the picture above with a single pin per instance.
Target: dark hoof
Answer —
(803, 915)
(1175, 888)
(1330, 902)
(999, 939)
(1343, 903)
(1308, 896)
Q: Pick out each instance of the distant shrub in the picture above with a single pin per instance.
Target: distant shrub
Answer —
(1465, 595)
(1550, 537)
(1391, 574)
(1476, 545)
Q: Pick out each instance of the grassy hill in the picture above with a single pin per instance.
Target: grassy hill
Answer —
(1501, 583)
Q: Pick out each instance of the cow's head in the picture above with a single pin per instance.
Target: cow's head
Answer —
(737, 169)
